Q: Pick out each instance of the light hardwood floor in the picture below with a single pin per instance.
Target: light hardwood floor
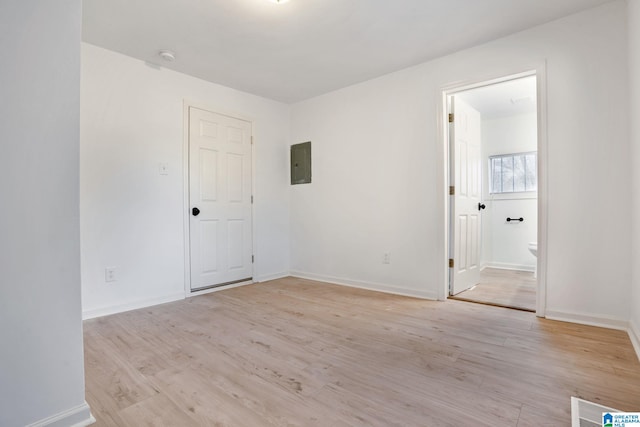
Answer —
(504, 288)
(293, 352)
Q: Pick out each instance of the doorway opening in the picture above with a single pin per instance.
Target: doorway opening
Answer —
(495, 172)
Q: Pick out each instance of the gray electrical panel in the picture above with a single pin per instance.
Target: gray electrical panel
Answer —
(301, 163)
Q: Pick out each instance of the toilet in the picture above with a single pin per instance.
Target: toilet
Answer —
(533, 248)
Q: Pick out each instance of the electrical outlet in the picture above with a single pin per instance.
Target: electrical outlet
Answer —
(386, 258)
(163, 168)
(110, 274)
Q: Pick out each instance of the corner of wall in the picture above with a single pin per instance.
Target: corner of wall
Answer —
(633, 35)
(634, 335)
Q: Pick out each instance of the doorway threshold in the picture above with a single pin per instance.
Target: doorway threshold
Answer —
(494, 304)
(503, 288)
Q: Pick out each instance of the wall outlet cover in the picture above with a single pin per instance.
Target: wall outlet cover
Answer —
(110, 274)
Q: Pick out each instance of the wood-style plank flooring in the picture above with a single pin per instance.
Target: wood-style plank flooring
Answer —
(294, 352)
(504, 288)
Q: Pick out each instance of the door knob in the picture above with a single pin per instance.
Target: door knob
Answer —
(481, 206)
(195, 211)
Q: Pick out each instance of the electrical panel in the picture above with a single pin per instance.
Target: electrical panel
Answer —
(301, 163)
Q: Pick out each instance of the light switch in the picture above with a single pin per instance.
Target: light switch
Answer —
(164, 168)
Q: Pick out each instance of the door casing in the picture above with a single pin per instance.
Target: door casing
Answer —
(443, 130)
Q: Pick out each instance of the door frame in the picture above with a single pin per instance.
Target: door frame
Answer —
(443, 130)
(186, 208)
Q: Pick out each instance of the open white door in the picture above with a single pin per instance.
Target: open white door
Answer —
(465, 139)
(220, 199)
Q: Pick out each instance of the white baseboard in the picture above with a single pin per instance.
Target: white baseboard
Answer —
(268, 277)
(590, 320)
(80, 416)
(630, 327)
(114, 309)
(505, 266)
(634, 335)
(120, 308)
(379, 287)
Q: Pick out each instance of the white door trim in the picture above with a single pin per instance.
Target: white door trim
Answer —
(443, 134)
(185, 192)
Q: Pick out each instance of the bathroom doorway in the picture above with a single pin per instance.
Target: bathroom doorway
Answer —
(493, 232)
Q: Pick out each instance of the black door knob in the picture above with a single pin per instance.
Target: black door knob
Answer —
(195, 211)
(481, 206)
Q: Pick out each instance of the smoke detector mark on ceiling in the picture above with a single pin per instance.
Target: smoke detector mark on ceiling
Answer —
(167, 55)
(523, 100)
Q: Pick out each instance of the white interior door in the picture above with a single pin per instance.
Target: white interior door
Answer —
(220, 199)
(466, 175)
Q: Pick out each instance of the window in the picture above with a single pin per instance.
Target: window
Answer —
(513, 173)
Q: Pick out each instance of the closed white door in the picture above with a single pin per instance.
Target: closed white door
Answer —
(466, 138)
(220, 199)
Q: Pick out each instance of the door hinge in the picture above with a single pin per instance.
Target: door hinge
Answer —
(451, 117)
(252, 199)
(450, 262)
(452, 190)
(251, 139)
(252, 259)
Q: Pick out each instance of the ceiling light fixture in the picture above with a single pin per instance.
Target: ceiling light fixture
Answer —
(278, 1)
(167, 55)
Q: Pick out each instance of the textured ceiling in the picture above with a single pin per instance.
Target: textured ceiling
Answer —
(303, 48)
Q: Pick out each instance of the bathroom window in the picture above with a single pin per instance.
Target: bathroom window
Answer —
(513, 173)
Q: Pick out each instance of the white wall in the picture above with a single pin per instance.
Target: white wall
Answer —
(131, 216)
(378, 175)
(634, 74)
(42, 370)
(505, 243)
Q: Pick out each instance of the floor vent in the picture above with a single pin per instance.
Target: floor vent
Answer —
(587, 414)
